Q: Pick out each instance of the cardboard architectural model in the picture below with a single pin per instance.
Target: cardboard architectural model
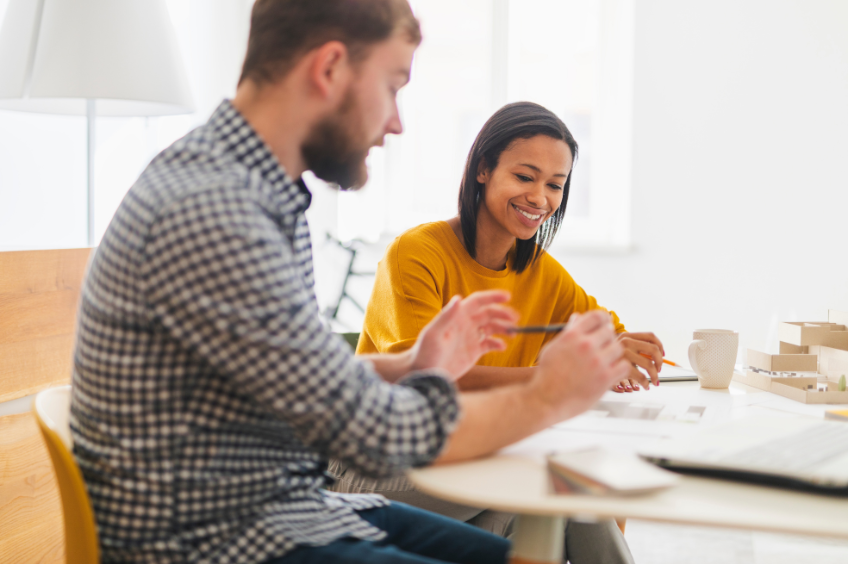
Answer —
(813, 356)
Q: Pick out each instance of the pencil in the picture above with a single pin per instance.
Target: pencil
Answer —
(556, 328)
(665, 361)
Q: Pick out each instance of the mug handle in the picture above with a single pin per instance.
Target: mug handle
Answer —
(701, 345)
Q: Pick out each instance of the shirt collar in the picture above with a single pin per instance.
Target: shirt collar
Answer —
(241, 142)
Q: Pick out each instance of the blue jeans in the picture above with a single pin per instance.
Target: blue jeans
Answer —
(414, 536)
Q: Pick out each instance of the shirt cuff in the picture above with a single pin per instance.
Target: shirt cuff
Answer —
(441, 395)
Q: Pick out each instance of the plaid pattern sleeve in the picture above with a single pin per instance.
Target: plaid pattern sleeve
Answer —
(207, 394)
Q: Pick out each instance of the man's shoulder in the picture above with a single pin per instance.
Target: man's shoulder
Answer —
(193, 167)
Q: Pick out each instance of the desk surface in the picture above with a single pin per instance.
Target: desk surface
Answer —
(515, 479)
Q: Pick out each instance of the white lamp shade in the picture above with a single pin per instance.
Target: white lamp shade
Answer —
(56, 54)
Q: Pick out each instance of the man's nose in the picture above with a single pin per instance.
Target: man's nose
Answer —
(394, 125)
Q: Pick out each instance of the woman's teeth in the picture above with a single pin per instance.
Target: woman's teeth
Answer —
(527, 215)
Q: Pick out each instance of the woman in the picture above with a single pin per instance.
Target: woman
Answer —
(511, 203)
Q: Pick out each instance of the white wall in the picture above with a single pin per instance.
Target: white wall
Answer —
(739, 201)
(740, 197)
(42, 179)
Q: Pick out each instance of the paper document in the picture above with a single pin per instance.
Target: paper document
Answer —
(647, 411)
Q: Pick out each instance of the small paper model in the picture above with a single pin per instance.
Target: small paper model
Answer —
(808, 351)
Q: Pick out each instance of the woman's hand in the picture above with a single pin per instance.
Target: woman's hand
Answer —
(635, 345)
(462, 332)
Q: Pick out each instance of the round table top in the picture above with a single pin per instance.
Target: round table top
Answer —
(516, 480)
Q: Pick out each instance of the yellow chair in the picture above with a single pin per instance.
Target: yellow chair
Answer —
(52, 409)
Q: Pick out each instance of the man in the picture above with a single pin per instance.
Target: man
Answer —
(207, 395)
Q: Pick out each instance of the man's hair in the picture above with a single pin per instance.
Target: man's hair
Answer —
(283, 31)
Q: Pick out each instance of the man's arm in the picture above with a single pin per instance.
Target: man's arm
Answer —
(390, 367)
(481, 378)
(574, 370)
(224, 281)
(635, 344)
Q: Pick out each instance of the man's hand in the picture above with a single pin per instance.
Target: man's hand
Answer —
(579, 365)
(635, 345)
(462, 332)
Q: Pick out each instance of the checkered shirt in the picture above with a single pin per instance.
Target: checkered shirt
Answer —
(207, 395)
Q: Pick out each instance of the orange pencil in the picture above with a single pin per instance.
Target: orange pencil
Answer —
(665, 361)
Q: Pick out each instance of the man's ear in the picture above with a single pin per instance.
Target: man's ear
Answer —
(483, 172)
(329, 69)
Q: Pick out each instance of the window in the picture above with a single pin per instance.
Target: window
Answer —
(43, 157)
(572, 56)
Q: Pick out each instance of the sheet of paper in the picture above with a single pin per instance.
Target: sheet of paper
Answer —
(590, 423)
(692, 394)
(669, 411)
(630, 421)
(552, 440)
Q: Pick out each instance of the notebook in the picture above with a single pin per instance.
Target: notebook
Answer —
(600, 471)
(674, 374)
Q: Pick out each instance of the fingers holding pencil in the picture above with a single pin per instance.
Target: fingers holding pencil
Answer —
(643, 350)
(665, 360)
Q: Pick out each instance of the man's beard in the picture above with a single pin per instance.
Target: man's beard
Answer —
(335, 150)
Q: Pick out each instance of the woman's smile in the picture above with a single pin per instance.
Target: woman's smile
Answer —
(530, 217)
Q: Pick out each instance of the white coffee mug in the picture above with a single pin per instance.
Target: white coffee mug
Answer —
(712, 355)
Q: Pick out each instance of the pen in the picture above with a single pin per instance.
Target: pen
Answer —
(538, 328)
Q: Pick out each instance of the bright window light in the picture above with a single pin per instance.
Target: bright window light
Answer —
(571, 56)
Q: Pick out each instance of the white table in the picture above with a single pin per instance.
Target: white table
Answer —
(515, 479)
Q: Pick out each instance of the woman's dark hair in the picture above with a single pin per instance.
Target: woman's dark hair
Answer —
(521, 120)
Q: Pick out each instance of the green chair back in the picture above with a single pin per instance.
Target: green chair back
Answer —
(352, 339)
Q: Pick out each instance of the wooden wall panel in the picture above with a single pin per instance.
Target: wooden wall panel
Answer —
(39, 293)
(26, 368)
(31, 529)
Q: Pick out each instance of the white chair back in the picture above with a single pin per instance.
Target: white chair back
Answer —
(54, 408)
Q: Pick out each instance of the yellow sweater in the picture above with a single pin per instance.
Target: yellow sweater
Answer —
(426, 266)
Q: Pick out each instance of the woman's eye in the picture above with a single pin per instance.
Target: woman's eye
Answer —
(555, 186)
(523, 178)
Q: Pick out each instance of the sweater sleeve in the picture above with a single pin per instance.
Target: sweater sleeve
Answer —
(583, 302)
(578, 301)
(408, 293)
